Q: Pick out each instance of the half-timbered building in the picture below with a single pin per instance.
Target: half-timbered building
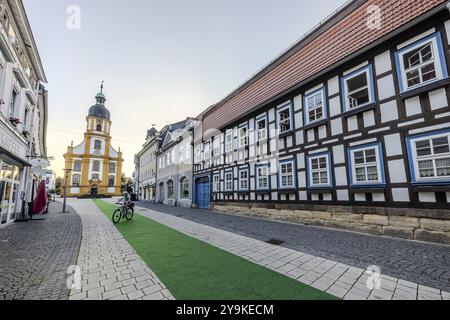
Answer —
(349, 128)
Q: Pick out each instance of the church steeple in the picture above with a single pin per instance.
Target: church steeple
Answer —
(100, 97)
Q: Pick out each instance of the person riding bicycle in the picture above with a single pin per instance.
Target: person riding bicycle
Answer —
(126, 199)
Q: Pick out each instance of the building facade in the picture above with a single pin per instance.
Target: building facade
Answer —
(23, 113)
(349, 128)
(94, 167)
(145, 164)
(174, 164)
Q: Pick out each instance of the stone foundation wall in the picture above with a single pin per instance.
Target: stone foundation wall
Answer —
(431, 226)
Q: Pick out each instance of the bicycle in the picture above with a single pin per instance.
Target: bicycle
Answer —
(126, 211)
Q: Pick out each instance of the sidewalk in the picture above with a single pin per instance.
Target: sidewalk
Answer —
(110, 268)
(35, 256)
(341, 280)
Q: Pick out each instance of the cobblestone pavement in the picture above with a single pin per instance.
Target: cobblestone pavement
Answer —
(326, 273)
(110, 268)
(35, 256)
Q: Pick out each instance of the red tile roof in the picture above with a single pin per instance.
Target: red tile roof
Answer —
(345, 37)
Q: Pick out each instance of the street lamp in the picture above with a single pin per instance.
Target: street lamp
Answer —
(66, 178)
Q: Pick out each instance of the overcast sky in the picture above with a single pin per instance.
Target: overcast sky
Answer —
(162, 60)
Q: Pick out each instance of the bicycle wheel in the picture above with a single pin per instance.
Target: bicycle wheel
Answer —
(130, 214)
(117, 215)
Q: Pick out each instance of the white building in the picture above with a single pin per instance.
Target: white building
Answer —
(145, 174)
(23, 112)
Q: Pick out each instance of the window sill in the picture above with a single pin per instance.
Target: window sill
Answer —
(431, 187)
(285, 134)
(316, 124)
(358, 110)
(367, 188)
(429, 87)
(287, 191)
(320, 189)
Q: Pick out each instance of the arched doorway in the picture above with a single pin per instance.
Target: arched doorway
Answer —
(94, 190)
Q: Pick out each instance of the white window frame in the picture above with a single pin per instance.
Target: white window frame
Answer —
(311, 171)
(310, 95)
(216, 147)
(439, 61)
(379, 164)
(241, 171)
(414, 158)
(229, 141)
(207, 151)
(281, 109)
(259, 136)
(281, 174)
(258, 176)
(216, 183)
(368, 70)
(228, 174)
(77, 184)
(198, 154)
(243, 138)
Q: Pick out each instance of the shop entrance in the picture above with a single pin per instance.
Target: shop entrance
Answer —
(9, 186)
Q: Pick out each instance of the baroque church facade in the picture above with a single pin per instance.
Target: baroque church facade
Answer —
(94, 167)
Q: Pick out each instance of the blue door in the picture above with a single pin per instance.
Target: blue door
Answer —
(202, 195)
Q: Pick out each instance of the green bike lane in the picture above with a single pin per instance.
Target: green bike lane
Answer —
(194, 270)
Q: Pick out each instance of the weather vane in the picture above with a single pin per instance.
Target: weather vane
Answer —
(101, 86)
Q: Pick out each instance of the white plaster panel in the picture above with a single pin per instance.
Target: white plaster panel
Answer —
(338, 154)
(400, 194)
(369, 119)
(336, 126)
(298, 120)
(327, 197)
(386, 88)
(341, 176)
(438, 99)
(322, 132)
(412, 106)
(393, 144)
(271, 115)
(427, 197)
(301, 161)
(342, 195)
(310, 135)
(360, 197)
(352, 123)
(302, 179)
(298, 102)
(333, 86)
(335, 106)
(378, 197)
(389, 111)
(303, 195)
(383, 63)
(299, 139)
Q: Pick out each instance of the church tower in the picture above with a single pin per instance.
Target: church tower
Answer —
(94, 166)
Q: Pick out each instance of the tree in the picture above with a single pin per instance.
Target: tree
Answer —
(127, 184)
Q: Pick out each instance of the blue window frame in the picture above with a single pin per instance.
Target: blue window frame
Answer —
(263, 177)
(358, 89)
(315, 106)
(366, 166)
(243, 135)
(285, 121)
(244, 179)
(429, 158)
(421, 63)
(287, 174)
(229, 181)
(319, 171)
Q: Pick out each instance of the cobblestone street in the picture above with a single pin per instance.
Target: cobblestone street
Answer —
(35, 256)
(110, 268)
(424, 263)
